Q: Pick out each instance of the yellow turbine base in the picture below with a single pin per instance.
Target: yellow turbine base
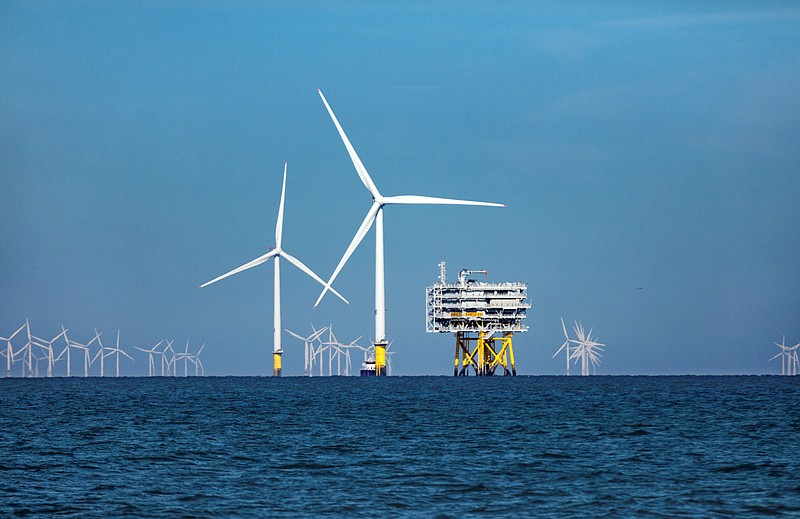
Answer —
(276, 364)
(380, 360)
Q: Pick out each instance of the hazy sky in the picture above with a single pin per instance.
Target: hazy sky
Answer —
(637, 144)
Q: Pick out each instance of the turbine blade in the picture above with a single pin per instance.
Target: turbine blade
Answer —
(418, 199)
(315, 336)
(561, 348)
(22, 328)
(254, 263)
(565, 328)
(294, 334)
(362, 231)
(299, 264)
(279, 224)
(360, 169)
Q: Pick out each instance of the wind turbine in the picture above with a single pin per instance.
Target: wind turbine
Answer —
(100, 353)
(66, 350)
(309, 351)
(27, 350)
(789, 357)
(10, 349)
(277, 252)
(86, 357)
(184, 356)
(48, 347)
(198, 365)
(349, 364)
(566, 344)
(116, 350)
(164, 361)
(44, 345)
(151, 365)
(335, 350)
(585, 350)
(375, 215)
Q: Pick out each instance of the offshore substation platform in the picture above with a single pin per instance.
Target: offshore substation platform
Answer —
(484, 317)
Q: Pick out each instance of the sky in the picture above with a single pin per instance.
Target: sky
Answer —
(648, 154)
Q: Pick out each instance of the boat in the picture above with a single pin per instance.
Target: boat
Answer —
(368, 368)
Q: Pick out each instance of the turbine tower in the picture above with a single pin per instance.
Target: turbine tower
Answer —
(277, 252)
(375, 215)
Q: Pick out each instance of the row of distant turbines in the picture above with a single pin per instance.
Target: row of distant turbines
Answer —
(38, 357)
(317, 348)
(374, 216)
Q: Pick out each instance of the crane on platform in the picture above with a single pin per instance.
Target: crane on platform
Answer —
(462, 275)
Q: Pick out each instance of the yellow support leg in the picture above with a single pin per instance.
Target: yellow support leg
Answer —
(511, 353)
(458, 350)
(498, 359)
(276, 365)
(480, 353)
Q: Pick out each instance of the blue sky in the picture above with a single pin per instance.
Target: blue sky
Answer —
(650, 145)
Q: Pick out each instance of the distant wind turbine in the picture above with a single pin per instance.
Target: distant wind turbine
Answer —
(375, 215)
(184, 356)
(116, 351)
(10, 349)
(277, 252)
(168, 363)
(87, 359)
(587, 350)
(151, 365)
(48, 347)
(789, 357)
(567, 341)
(100, 353)
(67, 349)
(309, 350)
(198, 365)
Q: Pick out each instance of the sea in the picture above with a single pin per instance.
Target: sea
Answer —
(541, 446)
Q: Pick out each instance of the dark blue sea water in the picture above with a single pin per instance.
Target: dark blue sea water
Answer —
(405, 446)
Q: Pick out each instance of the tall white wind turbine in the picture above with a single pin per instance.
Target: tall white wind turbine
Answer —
(277, 252)
(375, 214)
